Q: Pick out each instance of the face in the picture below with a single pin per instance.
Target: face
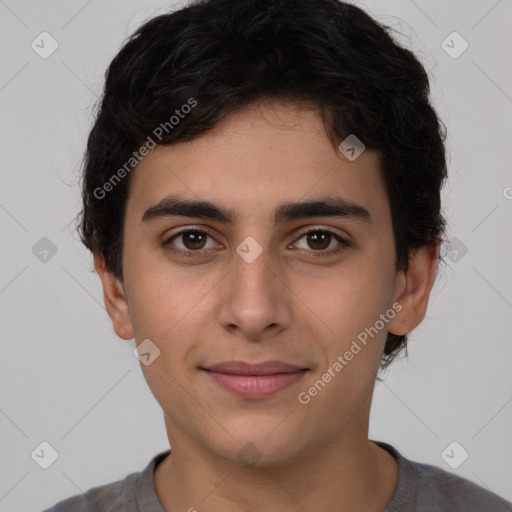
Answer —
(299, 289)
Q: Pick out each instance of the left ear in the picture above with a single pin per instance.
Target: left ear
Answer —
(413, 289)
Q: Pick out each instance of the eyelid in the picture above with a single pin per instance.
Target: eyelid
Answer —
(329, 230)
(187, 228)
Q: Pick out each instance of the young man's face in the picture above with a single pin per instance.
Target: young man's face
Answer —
(300, 301)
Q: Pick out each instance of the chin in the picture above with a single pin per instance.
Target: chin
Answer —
(260, 444)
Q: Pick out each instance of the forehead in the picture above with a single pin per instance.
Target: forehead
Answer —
(255, 159)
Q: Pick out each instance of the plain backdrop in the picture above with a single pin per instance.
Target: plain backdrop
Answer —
(65, 377)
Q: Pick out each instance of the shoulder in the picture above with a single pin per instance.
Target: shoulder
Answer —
(119, 496)
(439, 489)
(427, 488)
(107, 498)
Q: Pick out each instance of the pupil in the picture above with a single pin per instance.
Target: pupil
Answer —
(195, 240)
(317, 237)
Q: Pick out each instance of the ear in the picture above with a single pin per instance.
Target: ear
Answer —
(115, 299)
(413, 289)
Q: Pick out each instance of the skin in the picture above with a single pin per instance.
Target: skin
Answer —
(306, 311)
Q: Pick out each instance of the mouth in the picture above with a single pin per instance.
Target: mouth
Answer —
(255, 380)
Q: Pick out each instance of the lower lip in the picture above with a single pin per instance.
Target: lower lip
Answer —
(255, 386)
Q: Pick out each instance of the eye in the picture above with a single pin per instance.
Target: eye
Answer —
(191, 240)
(320, 239)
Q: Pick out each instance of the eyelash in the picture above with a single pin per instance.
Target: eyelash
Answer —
(201, 252)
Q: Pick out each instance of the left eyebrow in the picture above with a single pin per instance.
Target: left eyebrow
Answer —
(326, 206)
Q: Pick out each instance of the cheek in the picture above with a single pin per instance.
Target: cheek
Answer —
(161, 305)
(349, 299)
(165, 310)
(170, 305)
(350, 304)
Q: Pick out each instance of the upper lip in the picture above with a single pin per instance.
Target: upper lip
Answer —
(263, 368)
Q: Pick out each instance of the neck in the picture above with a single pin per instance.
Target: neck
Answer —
(342, 474)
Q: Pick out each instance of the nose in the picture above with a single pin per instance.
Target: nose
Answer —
(256, 301)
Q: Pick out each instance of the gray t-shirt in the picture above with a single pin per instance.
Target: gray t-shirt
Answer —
(421, 488)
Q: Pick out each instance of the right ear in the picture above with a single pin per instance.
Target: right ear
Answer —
(115, 299)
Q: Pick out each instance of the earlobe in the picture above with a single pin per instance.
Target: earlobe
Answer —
(115, 299)
(413, 289)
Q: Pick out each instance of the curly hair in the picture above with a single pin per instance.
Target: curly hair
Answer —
(224, 55)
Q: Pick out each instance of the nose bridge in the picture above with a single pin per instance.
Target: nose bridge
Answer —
(252, 274)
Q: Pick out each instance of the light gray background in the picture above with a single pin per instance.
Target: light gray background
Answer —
(65, 377)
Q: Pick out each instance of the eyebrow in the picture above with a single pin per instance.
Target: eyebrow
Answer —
(326, 206)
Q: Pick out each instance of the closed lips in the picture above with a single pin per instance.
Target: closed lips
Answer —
(264, 368)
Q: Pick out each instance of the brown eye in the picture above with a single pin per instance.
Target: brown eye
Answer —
(193, 239)
(318, 240)
(189, 241)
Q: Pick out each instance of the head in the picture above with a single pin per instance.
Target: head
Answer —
(245, 106)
